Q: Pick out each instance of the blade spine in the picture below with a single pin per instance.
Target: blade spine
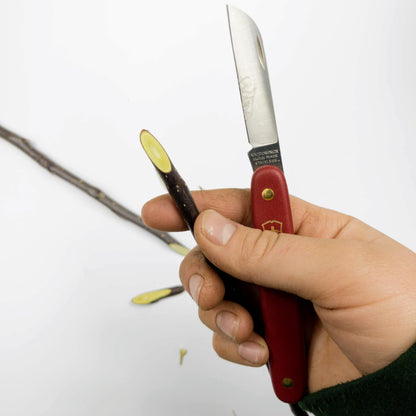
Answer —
(236, 70)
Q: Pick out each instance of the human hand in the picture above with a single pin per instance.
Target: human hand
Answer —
(360, 283)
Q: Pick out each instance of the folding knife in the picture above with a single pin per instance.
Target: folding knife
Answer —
(281, 312)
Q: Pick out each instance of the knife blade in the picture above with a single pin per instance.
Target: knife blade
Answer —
(281, 311)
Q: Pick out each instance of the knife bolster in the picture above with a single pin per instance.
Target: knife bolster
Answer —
(266, 155)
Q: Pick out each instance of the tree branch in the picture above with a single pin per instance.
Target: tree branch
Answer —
(47, 163)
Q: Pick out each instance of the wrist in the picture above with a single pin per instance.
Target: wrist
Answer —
(386, 392)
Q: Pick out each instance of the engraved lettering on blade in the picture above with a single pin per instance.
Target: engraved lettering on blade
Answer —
(247, 90)
(268, 157)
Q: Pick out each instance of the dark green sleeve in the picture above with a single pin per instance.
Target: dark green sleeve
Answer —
(390, 391)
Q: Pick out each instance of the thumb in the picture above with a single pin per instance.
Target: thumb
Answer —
(308, 267)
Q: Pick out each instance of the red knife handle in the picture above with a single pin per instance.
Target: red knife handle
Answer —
(283, 327)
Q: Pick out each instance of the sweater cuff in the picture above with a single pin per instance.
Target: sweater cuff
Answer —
(389, 391)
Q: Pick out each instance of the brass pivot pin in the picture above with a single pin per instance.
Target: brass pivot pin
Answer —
(288, 382)
(267, 194)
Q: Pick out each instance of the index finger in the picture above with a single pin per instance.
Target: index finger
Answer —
(308, 219)
(161, 212)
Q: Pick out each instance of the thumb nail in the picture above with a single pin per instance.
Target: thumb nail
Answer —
(217, 228)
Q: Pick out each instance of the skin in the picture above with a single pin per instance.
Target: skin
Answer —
(360, 284)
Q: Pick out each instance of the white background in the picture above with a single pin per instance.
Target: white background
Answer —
(80, 79)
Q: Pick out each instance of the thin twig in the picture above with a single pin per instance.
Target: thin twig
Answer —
(156, 295)
(47, 163)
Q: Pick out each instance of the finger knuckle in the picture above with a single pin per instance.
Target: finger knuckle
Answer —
(202, 316)
(218, 346)
(191, 263)
(256, 247)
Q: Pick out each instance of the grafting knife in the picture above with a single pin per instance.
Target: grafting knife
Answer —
(283, 328)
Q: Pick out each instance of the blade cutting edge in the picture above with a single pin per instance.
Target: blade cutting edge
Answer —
(253, 79)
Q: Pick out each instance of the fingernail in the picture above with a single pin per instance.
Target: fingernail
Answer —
(217, 228)
(252, 352)
(195, 284)
(228, 322)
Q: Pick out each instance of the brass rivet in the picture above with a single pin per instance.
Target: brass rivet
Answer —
(288, 382)
(267, 194)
